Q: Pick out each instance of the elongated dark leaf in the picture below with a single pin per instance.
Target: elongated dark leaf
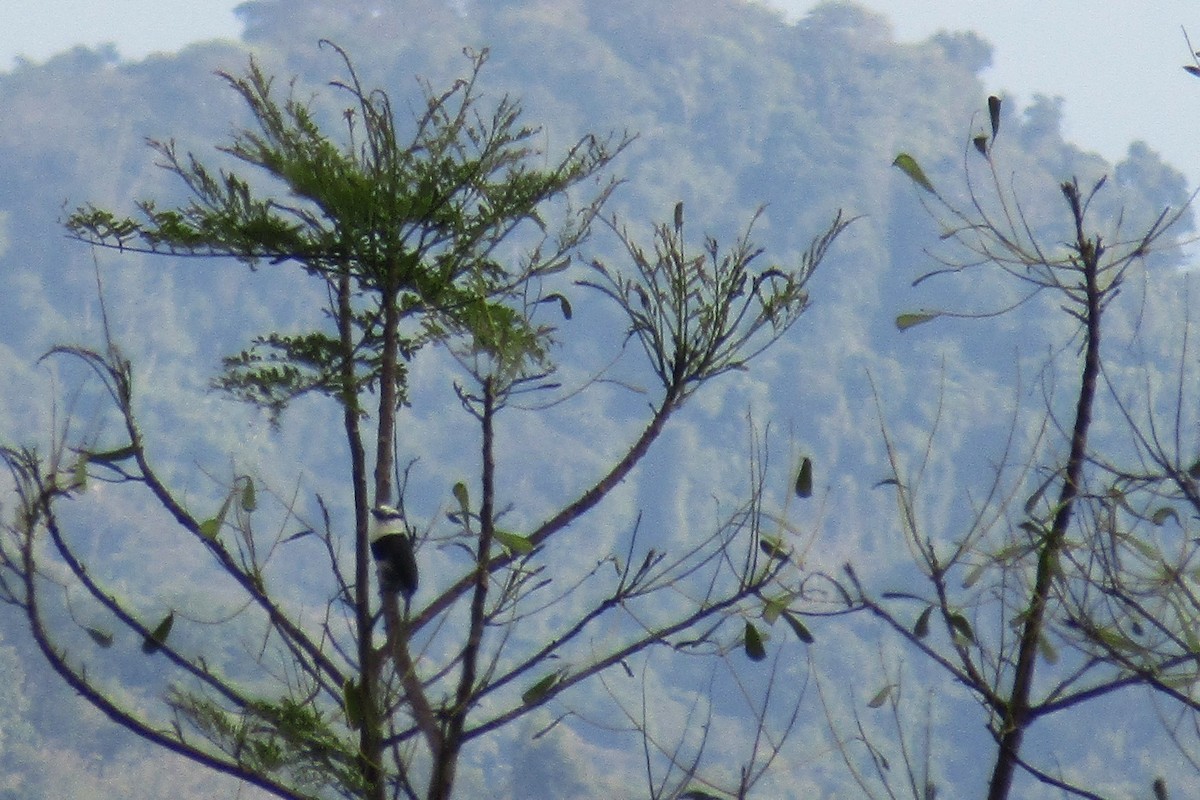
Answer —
(698, 794)
(249, 499)
(909, 166)
(994, 114)
(755, 650)
(798, 628)
(536, 692)
(804, 478)
(1163, 514)
(960, 625)
(880, 697)
(113, 456)
(921, 629)
(1036, 497)
(1192, 69)
(102, 638)
(352, 699)
(154, 642)
(772, 547)
(563, 304)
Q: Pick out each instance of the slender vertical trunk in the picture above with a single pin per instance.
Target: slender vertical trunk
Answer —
(370, 740)
(389, 365)
(1017, 717)
(442, 780)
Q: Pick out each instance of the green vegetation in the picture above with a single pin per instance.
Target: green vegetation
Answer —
(406, 299)
(405, 239)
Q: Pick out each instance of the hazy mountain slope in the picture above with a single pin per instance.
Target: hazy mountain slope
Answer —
(734, 109)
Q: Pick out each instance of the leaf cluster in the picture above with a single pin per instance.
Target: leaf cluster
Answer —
(700, 315)
(412, 222)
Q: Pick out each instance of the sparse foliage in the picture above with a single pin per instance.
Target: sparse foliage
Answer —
(1057, 592)
(411, 240)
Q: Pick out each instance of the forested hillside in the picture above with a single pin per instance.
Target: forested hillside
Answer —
(733, 110)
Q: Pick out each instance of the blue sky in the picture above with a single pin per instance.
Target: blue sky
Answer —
(1117, 64)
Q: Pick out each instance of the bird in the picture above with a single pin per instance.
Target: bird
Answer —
(392, 549)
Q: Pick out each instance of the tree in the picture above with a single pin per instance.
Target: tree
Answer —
(412, 241)
(1059, 589)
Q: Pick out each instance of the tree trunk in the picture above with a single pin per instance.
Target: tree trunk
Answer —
(1017, 715)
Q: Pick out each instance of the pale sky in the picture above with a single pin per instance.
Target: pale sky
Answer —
(1117, 62)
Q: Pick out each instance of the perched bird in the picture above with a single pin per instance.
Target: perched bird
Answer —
(392, 549)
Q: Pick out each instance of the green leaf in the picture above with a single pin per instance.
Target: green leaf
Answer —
(755, 650)
(102, 638)
(211, 527)
(804, 479)
(463, 498)
(79, 472)
(249, 500)
(1163, 514)
(352, 700)
(960, 625)
(921, 629)
(1191, 640)
(152, 643)
(914, 318)
(909, 166)
(113, 456)
(880, 697)
(774, 607)
(539, 690)
(772, 547)
(514, 542)
(798, 628)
